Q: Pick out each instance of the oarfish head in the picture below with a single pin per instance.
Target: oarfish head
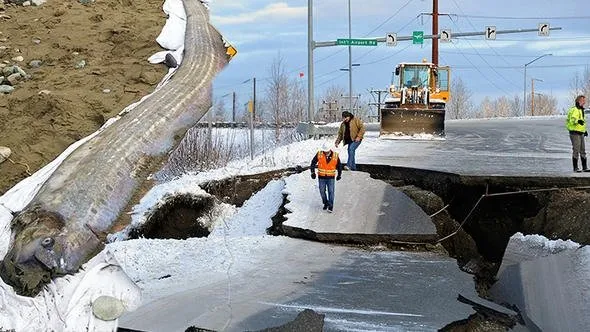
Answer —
(41, 250)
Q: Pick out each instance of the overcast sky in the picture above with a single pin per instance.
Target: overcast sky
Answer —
(263, 29)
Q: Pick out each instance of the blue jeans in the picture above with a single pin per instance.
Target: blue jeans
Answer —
(329, 184)
(351, 149)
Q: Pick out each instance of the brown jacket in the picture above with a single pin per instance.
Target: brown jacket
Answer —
(357, 130)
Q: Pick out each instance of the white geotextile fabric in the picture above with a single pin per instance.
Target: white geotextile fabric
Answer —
(65, 304)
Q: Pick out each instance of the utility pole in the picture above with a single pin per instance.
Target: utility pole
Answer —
(254, 97)
(524, 90)
(533, 95)
(233, 108)
(310, 48)
(435, 32)
(349, 59)
(378, 103)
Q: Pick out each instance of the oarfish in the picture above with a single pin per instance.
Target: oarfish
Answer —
(67, 221)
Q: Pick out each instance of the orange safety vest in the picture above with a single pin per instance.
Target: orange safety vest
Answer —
(326, 168)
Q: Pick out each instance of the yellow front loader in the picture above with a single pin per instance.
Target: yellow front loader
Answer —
(416, 101)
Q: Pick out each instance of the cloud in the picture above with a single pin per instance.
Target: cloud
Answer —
(273, 12)
(562, 47)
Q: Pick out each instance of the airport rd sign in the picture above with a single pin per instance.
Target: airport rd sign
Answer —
(356, 42)
(418, 37)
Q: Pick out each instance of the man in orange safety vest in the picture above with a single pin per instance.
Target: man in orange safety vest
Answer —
(329, 167)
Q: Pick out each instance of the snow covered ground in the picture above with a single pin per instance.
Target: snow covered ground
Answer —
(125, 268)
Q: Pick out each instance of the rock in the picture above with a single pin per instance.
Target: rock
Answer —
(44, 92)
(14, 79)
(81, 64)
(149, 78)
(8, 70)
(108, 308)
(6, 88)
(170, 61)
(18, 58)
(4, 153)
(35, 63)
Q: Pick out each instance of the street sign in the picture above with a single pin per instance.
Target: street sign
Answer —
(356, 42)
(391, 39)
(445, 35)
(418, 37)
(490, 32)
(544, 29)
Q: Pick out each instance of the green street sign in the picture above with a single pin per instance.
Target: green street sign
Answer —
(418, 37)
(356, 42)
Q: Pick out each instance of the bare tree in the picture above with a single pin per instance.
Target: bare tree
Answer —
(485, 109)
(460, 105)
(545, 105)
(516, 106)
(219, 111)
(501, 108)
(580, 84)
(297, 101)
(277, 93)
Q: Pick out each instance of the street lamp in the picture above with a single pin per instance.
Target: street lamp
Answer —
(352, 65)
(524, 90)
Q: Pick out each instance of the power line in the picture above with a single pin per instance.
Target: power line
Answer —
(518, 55)
(482, 74)
(387, 57)
(389, 18)
(365, 35)
(527, 18)
(550, 39)
(477, 52)
(520, 67)
(474, 28)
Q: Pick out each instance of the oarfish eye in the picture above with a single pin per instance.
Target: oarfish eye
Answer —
(48, 242)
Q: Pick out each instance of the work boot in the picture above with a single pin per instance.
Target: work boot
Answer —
(325, 206)
(575, 163)
(585, 165)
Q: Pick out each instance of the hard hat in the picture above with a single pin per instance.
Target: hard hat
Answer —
(326, 146)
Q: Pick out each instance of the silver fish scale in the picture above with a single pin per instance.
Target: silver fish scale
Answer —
(93, 185)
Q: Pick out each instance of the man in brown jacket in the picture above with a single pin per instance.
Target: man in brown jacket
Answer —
(351, 132)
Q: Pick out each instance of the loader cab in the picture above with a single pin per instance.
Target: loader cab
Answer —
(415, 76)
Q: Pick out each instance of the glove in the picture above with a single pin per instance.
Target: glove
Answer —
(313, 176)
(338, 178)
(581, 122)
(585, 134)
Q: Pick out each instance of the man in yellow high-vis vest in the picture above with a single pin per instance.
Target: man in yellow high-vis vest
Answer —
(576, 126)
(329, 167)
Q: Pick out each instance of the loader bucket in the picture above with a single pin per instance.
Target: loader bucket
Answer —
(412, 121)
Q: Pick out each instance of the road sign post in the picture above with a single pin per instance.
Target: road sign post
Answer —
(391, 39)
(418, 37)
(356, 42)
(445, 35)
(544, 29)
(490, 32)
